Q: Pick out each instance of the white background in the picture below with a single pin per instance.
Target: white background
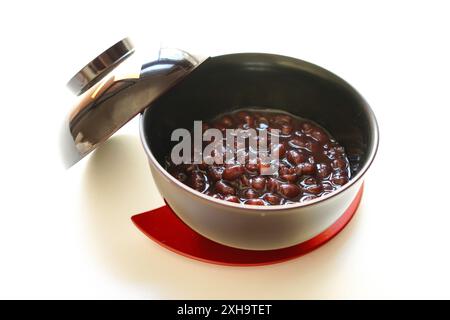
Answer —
(68, 234)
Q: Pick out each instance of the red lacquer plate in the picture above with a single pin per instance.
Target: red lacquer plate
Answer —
(163, 226)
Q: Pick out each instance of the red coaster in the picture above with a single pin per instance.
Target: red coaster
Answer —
(163, 226)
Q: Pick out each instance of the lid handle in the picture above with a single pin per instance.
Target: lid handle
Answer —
(99, 67)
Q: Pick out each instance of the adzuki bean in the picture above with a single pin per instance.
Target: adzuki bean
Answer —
(311, 162)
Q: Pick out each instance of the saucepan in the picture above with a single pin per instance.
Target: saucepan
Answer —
(221, 84)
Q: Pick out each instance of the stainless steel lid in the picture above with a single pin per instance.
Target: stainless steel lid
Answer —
(104, 106)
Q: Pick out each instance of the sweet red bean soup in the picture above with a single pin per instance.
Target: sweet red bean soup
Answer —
(311, 163)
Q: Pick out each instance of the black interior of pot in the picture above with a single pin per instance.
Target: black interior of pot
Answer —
(225, 83)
